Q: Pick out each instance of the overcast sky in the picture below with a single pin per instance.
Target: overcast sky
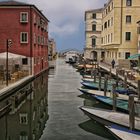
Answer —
(66, 20)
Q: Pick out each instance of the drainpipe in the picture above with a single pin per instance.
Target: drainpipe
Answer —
(121, 33)
(31, 41)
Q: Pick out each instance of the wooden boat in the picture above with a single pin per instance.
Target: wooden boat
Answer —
(124, 133)
(95, 86)
(120, 104)
(109, 117)
(101, 93)
(90, 80)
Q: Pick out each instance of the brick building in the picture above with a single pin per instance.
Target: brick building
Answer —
(27, 27)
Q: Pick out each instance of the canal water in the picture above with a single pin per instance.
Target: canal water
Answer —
(66, 121)
(48, 109)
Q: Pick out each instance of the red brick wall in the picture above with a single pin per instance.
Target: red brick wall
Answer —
(10, 27)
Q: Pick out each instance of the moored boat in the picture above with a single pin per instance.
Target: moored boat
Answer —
(109, 117)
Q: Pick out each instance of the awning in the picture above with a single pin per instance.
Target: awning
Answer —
(134, 56)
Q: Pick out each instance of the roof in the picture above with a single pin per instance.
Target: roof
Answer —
(16, 3)
(12, 3)
(95, 10)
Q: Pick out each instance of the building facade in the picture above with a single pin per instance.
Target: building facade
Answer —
(51, 50)
(93, 26)
(119, 29)
(27, 28)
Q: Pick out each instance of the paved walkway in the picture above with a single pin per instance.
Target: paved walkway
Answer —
(107, 67)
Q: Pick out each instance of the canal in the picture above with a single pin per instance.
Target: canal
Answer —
(66, 121)
(48, 109)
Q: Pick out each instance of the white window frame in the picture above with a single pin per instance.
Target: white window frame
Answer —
(23, 137)
(21, 20)
(21, 41)
(25, 116)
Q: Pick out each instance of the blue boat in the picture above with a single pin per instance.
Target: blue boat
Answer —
(120, 104)
(123, 132)
(95, 86)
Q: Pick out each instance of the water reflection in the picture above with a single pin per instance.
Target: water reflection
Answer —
(96, 128)
(91, 125)
(28, 111)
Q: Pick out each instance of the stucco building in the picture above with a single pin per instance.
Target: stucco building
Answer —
(52, 49)
(93, 26)
(27, 28)
(119, 29)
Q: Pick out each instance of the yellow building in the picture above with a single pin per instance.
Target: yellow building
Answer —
(93, 26)
(119, 29)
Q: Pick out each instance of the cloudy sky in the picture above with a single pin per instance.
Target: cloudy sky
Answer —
(66, 20)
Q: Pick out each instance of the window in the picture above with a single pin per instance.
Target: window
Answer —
(94, 16)
(128, 2)
(24, 17)
(108, 8)
(23, 136)
(127, 55)
(112, 5)
(106, 11)
(93, 42)
(111, 37)
(138, 30)
(111, 21)
(35, 19)
(128, 36)
(23, 37)
(108, 23)
(23, 118)
(128, 19)
(102, 40)
(108, 38)
(94, 27)
(34, 38)
(24, 61)
(105, 25)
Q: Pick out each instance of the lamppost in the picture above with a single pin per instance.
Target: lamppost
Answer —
(8, 45)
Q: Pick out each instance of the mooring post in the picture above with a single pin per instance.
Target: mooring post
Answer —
(114, 97)
(138, 89)
(105, 84)
(125, 80)
(95, 74)
(131, 112)
(100, 81)
(92, 70)
(110, 73)
(117, 77)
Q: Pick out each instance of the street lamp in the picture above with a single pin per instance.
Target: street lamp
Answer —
(8, 45)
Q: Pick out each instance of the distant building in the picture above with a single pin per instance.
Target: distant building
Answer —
(119, 29)
(93, 27)
(51, 49)
(27, 27)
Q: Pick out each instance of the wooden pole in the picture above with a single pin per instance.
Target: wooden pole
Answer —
(131, 112)
(92, 70)
(110, 73)
(100, 81)
(114, 97)
(117, 78)
(105, 84)
(125, 81)
(7, 63)
(95, 74)
(138, 89)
